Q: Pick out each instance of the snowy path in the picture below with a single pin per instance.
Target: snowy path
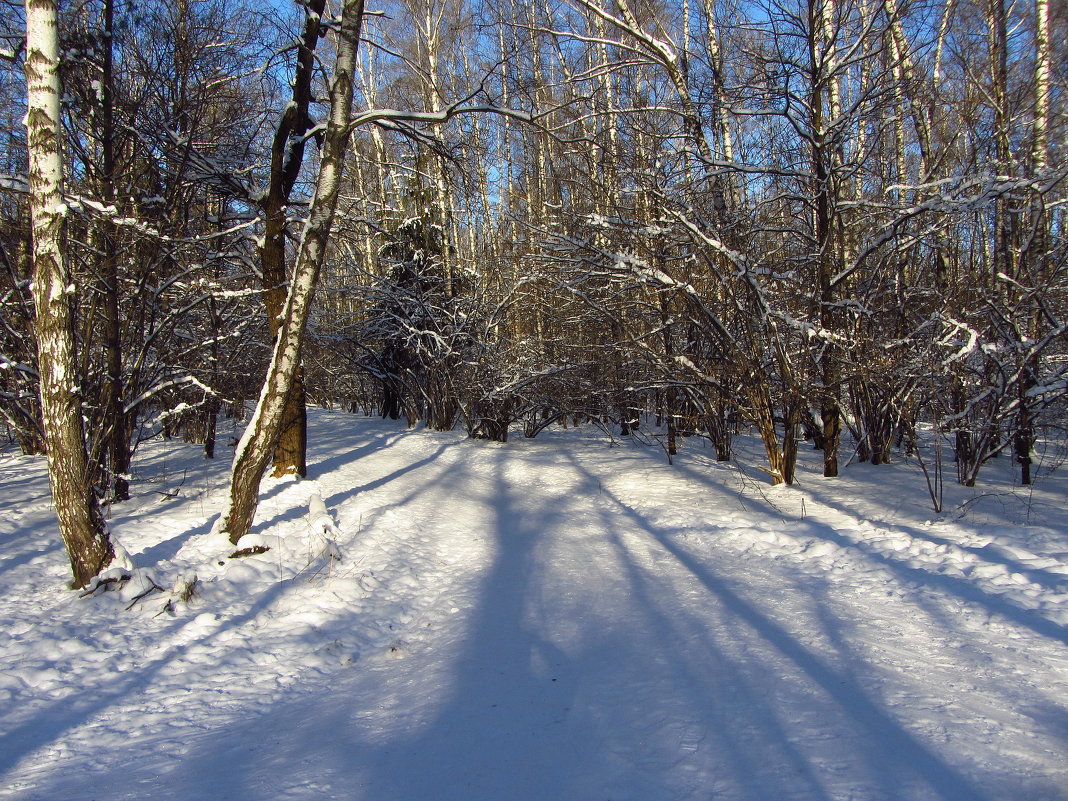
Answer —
(547, 621)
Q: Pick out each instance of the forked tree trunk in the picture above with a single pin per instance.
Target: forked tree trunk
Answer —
(261, 435)
(80, 523)
(782, 458)
(287, 155)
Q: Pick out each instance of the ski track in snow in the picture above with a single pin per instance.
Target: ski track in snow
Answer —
(547, 620)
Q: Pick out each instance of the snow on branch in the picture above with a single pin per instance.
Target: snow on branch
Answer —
(82, 202)
(156, 389)
(438, 117)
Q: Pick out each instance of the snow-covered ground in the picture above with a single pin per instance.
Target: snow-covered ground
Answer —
(563, 619)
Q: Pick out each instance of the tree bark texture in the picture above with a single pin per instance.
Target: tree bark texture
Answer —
(261, 436)
(80, 522)
(287, 155)
(118, 438)
(824, 84)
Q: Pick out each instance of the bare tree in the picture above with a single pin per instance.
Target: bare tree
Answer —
(80, 523)
(287, 156)
(260, 438)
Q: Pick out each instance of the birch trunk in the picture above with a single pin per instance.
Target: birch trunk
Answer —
(714, 53)
(1043, 70)
(80, 523)
(257, 443)
(287, 154)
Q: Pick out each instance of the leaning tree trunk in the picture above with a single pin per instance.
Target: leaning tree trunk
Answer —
(287, 155)
(80, 523)
(258, 442)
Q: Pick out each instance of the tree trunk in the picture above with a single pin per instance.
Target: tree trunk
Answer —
(117, 439)
(261, 436)
(669, 391)
(287, 155)
(1024, 438)
(80, 523)
(824, 82)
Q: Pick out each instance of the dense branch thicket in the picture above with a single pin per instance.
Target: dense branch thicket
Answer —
(840, 221)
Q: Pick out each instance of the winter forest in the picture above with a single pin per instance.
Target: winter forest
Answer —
(826, 221)
(779, 232)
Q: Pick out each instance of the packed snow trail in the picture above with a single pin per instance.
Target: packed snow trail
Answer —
(547, 620)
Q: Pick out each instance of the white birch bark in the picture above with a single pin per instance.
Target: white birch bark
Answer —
(80, 523)
(1043, 68)
(906, 91)
(714, 52)
(257, 443)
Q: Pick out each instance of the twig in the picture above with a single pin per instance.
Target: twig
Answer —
(153, 588)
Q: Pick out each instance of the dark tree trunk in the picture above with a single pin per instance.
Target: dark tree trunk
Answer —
(261, 436)
(287, 155)
(117, 445)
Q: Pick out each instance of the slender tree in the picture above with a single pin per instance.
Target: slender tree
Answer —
(80, 523)
(261, 435)
(287, 156)
(117, 439)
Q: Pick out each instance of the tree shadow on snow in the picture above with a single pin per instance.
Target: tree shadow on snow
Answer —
(508, 727)
(495, 722)
(343, 451)
(634, 671)
(863, 732)
(963, 588)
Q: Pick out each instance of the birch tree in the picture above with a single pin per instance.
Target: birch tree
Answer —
(257, 444)
(80, 522)
(287, 156)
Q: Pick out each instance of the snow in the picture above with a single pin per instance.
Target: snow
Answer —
(545, 620)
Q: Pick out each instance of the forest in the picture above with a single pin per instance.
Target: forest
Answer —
(836, 224)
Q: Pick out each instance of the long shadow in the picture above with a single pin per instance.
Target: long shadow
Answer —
(168, 549)
(378, 440)
(21, 559)
(758, 503)
(953, 585)
(235, 760)
(990, 553)
(497, 734)
(29, 549)
(491, 739)
(339, 498)
(732, 703)
(497, 737)
(49, 724)
(522, 720)
(895, 744)
(960, 587)
(317, 469)
(285, 515)
(17, 483)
